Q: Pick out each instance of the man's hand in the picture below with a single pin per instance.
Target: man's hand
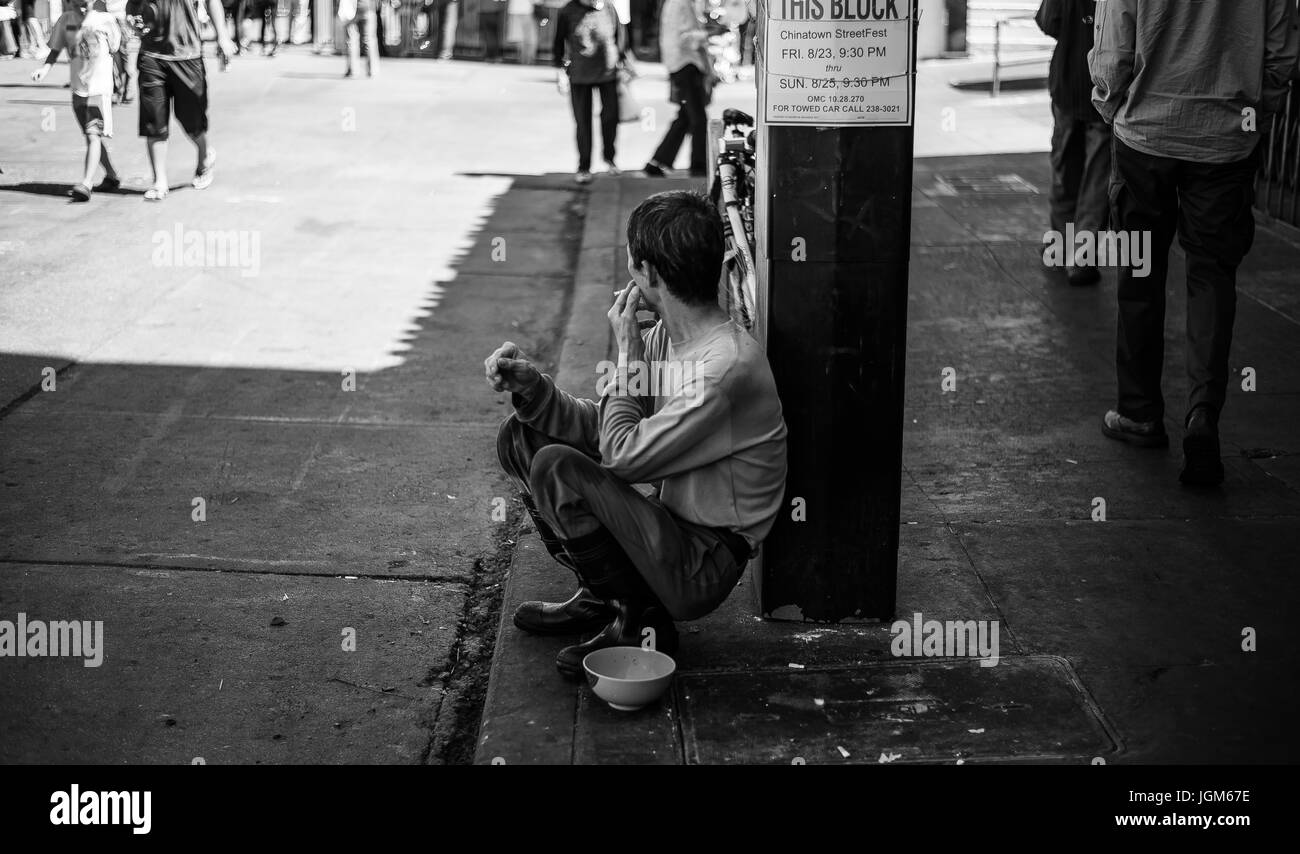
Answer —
(508, 369)
(39, 74)
(622, 317)
(225, 49)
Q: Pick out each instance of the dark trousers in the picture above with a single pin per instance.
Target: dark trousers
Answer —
(580, 95)
(1080, 173)
(1208, 205)
(690, 568)
(489, 24)
(691, 118)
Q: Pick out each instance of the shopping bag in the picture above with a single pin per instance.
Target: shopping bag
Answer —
(629, 109)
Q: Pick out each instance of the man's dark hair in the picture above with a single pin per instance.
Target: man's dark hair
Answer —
(680, 233)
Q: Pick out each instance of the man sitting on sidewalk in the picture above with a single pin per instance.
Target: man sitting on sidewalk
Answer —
(710, 438)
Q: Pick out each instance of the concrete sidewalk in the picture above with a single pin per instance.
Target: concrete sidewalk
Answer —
(1121, 640)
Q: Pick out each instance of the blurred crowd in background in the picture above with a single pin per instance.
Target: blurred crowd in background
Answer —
(493, 30)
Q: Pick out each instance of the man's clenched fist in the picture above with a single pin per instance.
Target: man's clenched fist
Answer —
(508, 369)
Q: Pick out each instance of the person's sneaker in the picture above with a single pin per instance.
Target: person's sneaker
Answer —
(1202, 462)
(1083, 275)
(611, 169)
(80, 193)
(654, 170)
(1144, 434)
(583, 177)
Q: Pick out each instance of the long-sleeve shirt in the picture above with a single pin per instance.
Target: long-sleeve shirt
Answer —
(589, 41)
(1176, 77)
(682, 36)
(712, 437)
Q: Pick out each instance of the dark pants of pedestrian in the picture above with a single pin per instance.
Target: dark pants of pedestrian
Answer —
(691, 118)
(580, 95)
(690, 568)
(1209, 206)
(1080, 173)
(489, 23)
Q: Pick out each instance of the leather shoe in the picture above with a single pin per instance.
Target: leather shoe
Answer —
(631, 618)
(1202, 462)
(584, 612)
(1144, 434)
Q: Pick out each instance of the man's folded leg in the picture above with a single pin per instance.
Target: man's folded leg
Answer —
(517, 445)
(628, 550)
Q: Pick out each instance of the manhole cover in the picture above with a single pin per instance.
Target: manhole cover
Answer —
(1003, 184)
(1025, 708)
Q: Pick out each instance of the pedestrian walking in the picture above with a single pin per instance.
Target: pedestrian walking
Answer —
(172, 76)
(683, 47)
(588, 50)
(126, 57)
(360, 20)
(450, 16)
(1080, 155)
(90, 36)
(1190, 89)
(521, 30)
(491, 25)
(265, 12)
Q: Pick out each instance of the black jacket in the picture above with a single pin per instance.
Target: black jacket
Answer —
(1068, 81)
(589, 42)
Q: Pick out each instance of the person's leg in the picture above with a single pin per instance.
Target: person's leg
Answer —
(158, 162)
(189, 84)
(609, 121)
(1067, 159)
(110, 174)
(352, 53)
(580, 98)
(1216, 229)
(528, 46)
(1092, 206)
(1143, 200)
(698, 119)
(584, 503)
(370, 23)
(155, 117)
(517, 445)
(451, 14)
(94, 151)
(666, 153)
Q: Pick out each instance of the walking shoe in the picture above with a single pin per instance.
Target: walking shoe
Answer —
(1144, 434)
(631, 617)
(654, 170)
(1083, 275)
(611, 169)
(80, 192)
(583, 177)
(584, 612)
(1202, 462)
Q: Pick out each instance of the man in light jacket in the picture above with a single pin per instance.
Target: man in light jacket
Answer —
(1190, 88)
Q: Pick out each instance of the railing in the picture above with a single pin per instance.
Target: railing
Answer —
(1001, 60)
(1277, 187)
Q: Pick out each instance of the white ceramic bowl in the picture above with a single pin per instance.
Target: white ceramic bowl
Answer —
(628, 677)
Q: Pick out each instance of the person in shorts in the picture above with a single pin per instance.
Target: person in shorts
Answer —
(91, 36)
(172, 78)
